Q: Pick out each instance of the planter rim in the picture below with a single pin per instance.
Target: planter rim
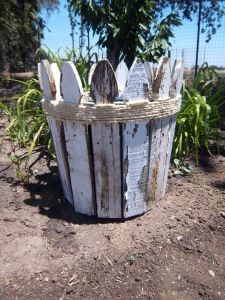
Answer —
(117, 112)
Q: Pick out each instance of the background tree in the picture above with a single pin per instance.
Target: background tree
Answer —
(127, 28)
(212, 12)
(20, 32)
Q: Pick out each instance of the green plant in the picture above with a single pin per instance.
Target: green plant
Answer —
(127, 28)
(179, 168)
(199, 117)
(28, 127)
(82, 63)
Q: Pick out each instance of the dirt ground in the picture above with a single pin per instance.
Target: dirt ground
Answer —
(175, 251)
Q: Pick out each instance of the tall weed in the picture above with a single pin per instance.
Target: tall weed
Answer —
(200, 114)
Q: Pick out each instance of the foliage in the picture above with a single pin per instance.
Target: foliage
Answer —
(20, 32)
(211, 16)
(199, 118)
(81, 62)
(179, 168)
(27, 127)
(127, 28)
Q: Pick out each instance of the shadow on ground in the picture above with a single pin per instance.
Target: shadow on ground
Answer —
(46, 193)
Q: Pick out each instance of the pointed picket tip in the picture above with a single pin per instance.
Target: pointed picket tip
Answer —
(47, 80)
(137, 86)
(177, 77)
(91, 73)
(121, 75)
(56, 75)
(71, 86)
(162, 80)
(149, 71)
(103, 88)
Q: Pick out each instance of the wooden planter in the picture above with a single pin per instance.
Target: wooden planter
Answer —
(113, 144)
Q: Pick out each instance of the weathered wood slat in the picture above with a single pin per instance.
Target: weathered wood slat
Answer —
(91, 73)
(159, 131)
(137, 87)
(149, 72)
(49, 89)
(177, 80)
(78, 145)
(106, 145)
(56, 76)
(154, 140)
(121, 76)
(136, 147)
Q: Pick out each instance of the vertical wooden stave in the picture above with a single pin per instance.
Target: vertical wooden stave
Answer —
(121, 76)
(90, 74)
(177, 79)
(50, 90)
(77, 145)
(136, 147)
(159, 131)
(106, 145)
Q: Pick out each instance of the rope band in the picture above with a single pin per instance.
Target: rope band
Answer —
(111, 113)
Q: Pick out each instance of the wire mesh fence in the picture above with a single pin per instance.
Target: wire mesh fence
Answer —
(185, 45)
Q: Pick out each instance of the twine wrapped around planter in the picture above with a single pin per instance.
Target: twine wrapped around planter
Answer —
(120, 112)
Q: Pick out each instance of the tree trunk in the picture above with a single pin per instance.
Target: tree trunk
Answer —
(113, 57)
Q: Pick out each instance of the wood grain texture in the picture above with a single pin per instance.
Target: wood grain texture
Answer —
(160, 134)
(56, 76)
(57, 133)
(177, 78)
(172, 125)
(78, 145)
(121, 76)
(47, 80)
(149, 71)
(137, 86)
(71, 86)
(104, 88)
(90, 74)
(106, 146)
(162, 81)
(136, 147)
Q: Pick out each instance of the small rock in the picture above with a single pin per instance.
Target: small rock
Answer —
(56, 254)
(187, 246)
(172, 225)
(54, 280)
(222, 214)
(212, 227)
(8, 219)
(46, 279)
(59, 229)
(72, 231)
(189, 215)
(201, 248)
(211, 273)
(211, 193)
(69, 290)
(179, 238)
